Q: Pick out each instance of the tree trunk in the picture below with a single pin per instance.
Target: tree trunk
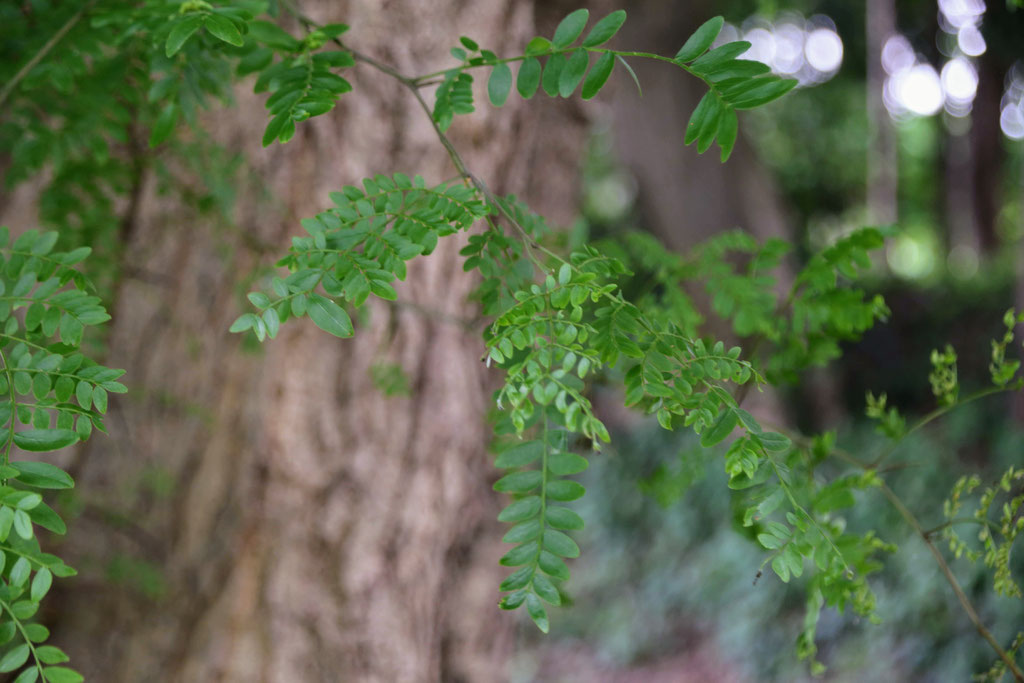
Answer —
(305, 527)
(883, 158)
(684, 197)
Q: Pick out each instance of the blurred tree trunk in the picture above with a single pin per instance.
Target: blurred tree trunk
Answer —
(297, 524)
(883, 160)
(685, 197)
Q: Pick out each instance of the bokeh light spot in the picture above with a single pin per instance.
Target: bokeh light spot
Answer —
(824, 50)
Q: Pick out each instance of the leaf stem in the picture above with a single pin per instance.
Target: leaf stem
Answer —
(5, 457)
(31, 646)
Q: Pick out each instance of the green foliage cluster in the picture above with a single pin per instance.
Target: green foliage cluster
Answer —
(60, 396)
(559, 319)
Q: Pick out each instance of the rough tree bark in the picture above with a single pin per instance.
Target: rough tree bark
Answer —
(315, 530)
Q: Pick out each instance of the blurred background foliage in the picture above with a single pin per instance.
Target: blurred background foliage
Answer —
(669, 574)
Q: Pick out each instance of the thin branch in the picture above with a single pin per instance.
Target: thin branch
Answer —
(926, 536)
(931, 417)
(9, 87)
(965, 602)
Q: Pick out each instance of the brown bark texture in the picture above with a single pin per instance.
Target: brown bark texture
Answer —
(303, 526)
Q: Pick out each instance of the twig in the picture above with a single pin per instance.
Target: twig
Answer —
(965, 602)
(926, 535)
(10, 85)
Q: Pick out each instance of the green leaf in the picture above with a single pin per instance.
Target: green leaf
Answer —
(773, 441)
(553, 565)
(83, 427)
(512, 600)
(520, 454)
(275, 128)
(243, 322)
(720, 430)
(781, 567)
(224, 29)
(83, 394)
(519, 555)
(727, 129)
(270, 320)
(720, 57)
(41, 385)
(565, 491)
(499, 84)
(546, 590)
(701, 40)
(44, 516)
(22, 382)
(524, 508)
(258, 299)
(329, 316)
(37, 633)
(738, 68)
(70, 330)
(48, 654)
(605, 29)
(536, 611)
(518, 482)
(42, 475)
(14, 658)
(24, 609)
(709, 127)
(23, 500)
(64, 388)
(570, 28)
(552, 73)
(699, 116)
(22, 524)
(537, 46)
(20, 572)
(517, 579)
(6, 520)
(763, 94)
(529, 77)
(99, 399)
(41, 585)
(572, 72)
(525, 531)
(164, 125)
(60, 674)
(181, 32)
(38, 440)
(560, 544)
(334, 30)
(272, 35)
(598, 75)
(29, 675)
(563, 518)
(566, 463)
